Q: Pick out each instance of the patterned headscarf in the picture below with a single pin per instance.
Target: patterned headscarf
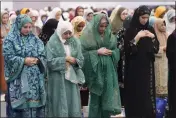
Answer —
(20, 21)
(75, 22)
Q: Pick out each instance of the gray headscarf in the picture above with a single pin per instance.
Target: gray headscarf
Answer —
(170, 26)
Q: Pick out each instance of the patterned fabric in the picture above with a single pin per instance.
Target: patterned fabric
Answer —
(48, 30)
(75, 22)
(161, 63)
(25, 83)
(100, 71)
(63, 95)
(121, 64)
(24, 113)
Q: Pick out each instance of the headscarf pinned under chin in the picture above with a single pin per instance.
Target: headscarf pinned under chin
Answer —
(135, 23)
(87, 12)
(20, 21)
(15, 34)
(75, 22)
(35, 13)
(54, 12)
(62, 27)
(170, 26)
(162, 35)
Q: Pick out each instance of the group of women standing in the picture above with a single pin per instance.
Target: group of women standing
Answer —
(44, 71)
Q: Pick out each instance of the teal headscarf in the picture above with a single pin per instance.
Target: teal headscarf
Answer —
(152, 20)
(20, 21)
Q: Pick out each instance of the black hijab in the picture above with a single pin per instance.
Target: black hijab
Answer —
(145, 44)
(135, 23)
(48, 30)
(126, 22)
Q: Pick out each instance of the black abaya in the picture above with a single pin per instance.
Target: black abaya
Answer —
(171, 55)
(139, 70)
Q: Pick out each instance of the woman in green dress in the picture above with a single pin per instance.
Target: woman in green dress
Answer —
(64, 61)
(101, 57)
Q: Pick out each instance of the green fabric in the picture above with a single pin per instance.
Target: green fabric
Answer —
(63, 95)
(100, 71)
(23, 20)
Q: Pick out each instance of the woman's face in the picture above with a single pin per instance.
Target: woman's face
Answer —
(102, 26)
(144, 19)
(26, 29)
(80, 12)
(89, 17)
(58, 15)
(124, 14)
(66, 35)
(5, 18)
(34, 19)
(162, 26)
(80, 26)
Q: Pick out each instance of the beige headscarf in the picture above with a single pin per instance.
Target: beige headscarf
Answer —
(114, 12)
(5, 28)
(162, 35)
(117, 22)
(75, 22)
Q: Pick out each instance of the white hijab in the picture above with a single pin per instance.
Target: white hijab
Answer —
(66, 16)
(62, 27)
(170, 26)
(86, 12)
(54, 12)
(35, 13)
